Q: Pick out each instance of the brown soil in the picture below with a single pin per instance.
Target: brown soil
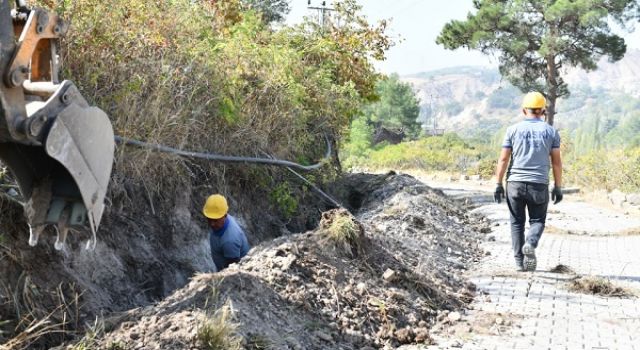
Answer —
(298, 291)
(598, 286)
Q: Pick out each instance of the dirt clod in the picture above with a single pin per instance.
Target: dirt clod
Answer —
(598, 286)
(563, 269)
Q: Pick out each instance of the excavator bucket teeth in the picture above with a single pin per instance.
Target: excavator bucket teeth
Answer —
(81, 139)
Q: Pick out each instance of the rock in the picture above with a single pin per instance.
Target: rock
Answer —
(491, 238)
(422, 335)
(634, 199)
(361, 287)
(389, 275)
(464, 177)
(404, 335)
(476, 177)
(294, 343)
(454, 316)
(455, 344)
(134, 335)
(499, 321)
(324, 336)
(352, 336)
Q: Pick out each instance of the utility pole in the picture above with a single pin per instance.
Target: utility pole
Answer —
(322, 12)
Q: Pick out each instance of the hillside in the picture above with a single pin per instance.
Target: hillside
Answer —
(472, 99)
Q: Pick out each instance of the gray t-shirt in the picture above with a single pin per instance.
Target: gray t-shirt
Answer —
(531, 142)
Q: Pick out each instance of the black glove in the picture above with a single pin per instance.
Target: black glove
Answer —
(498, 194)
(556, 195)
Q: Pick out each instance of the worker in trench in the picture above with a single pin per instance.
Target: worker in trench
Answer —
(228, 241)
(530, 148)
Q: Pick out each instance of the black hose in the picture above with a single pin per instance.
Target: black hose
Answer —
(223, 158)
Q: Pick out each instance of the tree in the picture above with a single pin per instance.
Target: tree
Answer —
(536, 38)
(397, 107)
(272, 10)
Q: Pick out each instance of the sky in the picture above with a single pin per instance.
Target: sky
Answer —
(415, 25)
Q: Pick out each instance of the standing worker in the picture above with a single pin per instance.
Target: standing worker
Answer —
(532, 145)
(228, 242)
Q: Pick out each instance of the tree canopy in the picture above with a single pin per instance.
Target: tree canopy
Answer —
(271, 10)
(535, 39)
(398, 107)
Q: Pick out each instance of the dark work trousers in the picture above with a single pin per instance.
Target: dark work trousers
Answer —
(534, 198)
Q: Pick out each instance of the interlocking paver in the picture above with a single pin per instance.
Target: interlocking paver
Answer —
(545, 314)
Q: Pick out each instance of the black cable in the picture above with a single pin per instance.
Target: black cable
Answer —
(223, 158)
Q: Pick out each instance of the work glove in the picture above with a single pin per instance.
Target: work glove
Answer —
(556, 195)
(498, 195)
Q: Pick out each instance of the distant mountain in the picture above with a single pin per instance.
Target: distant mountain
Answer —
(623, 75)
(470, 100)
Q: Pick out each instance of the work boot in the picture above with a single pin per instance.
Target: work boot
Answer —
(529, 261)
(519, 265)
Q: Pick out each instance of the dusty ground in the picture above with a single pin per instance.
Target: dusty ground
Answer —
(305, 292)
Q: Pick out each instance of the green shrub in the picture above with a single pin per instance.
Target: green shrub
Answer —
(606, 169)
(212, 76)
(284, 200)
(445, 153)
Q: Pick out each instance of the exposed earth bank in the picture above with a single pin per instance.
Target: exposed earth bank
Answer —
(376, 280)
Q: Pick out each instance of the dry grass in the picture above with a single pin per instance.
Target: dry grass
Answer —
(259, 342)
(598, 286)
(634, 231)
(190, 82)
(342, 229)
(550, 229)
(36, 316)
(219, 332)
(90, 339)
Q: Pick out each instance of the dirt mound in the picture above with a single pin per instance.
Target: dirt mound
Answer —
(148, 247)
(305, 292)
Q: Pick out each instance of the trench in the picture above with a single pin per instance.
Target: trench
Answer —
(140, 259)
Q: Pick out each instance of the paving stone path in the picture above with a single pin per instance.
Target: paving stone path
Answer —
(535, 310)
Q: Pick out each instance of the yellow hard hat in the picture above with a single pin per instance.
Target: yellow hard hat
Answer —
(215, 207)
(534, 100)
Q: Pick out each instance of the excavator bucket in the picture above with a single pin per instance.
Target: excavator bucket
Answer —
(58, 148)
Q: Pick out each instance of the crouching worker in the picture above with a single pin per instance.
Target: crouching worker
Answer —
(228, 242)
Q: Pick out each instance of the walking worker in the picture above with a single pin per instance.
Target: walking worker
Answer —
(532, 146)
(228, 242)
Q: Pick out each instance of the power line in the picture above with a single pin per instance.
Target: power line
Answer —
(322, 12)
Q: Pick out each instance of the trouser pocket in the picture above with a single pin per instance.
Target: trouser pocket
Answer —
(539, 194)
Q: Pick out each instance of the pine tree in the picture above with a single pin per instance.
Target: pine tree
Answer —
(534, 39)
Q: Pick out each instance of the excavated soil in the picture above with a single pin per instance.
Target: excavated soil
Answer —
(384, 286)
